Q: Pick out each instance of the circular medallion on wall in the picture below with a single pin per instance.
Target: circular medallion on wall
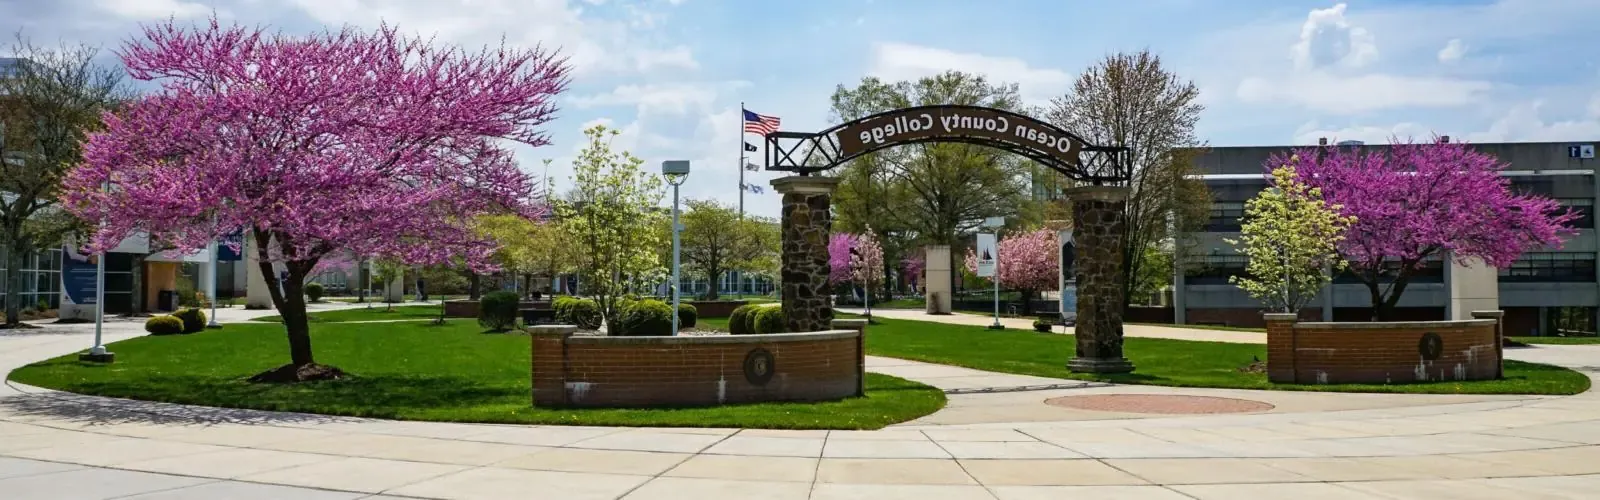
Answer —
(1431, 346)
(759, 366)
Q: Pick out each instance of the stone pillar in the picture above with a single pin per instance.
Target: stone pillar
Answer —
(807, 222)
(1499, 318)
(936, 287)
(1281, 367)
(1473, 286)
(255, 288)
(1098, 230)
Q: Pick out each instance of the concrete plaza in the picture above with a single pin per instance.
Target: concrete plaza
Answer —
(996, 440)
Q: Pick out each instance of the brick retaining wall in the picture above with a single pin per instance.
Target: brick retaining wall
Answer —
(599, 371)
(1392, 352)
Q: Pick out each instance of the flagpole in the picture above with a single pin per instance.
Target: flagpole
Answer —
(741, 159)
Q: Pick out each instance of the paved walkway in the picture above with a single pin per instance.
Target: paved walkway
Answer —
(1150, 331)
(1335, 446)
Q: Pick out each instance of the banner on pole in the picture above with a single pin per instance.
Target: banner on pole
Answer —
(987, 253)
(1069, 280)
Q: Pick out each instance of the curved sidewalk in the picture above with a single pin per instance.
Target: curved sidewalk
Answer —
(57, 445)
(1150, 331)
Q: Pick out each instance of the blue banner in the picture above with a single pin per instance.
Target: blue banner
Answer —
(227, 253)
(78, 276)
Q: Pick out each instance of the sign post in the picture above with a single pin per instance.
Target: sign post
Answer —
(1069, 282)
(989, 263)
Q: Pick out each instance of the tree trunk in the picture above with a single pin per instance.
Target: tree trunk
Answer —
(711, 279)
(474, 281)
(295, 321)
(14, 254)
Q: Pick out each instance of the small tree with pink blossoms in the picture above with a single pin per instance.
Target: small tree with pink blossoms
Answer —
(1028, 263)
(866, 266)
(1416, 201)
(839, 247)
(373, 143)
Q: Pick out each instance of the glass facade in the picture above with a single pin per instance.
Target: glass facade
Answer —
(1550, 267)
(41, 279)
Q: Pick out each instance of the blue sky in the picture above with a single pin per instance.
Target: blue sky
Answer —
(671, 73)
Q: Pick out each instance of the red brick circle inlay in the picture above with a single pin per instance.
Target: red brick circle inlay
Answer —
(1159, 403)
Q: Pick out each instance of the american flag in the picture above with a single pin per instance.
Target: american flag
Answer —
(759, 124)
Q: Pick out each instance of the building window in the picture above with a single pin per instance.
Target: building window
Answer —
(1550, 267)
(1432, 271)
(1225, 216)
(1216, 269)
(41, 280)
(1584, 207)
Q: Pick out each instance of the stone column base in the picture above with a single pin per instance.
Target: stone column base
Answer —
(1100, 365)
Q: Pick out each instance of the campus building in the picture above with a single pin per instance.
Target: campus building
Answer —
(1547, 290)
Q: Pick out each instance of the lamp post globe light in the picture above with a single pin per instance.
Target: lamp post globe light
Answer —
(676, 171)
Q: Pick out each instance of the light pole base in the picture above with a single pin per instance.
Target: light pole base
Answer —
(103, 356)
(996, 326)
(214, 325)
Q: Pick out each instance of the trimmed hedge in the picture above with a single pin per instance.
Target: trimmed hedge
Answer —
(163, 325)
(194, 320)
(740, 321)
(770, 320)
(497, 310)
(645, 318)
(314, 291)
(687, 315)
(583, 313)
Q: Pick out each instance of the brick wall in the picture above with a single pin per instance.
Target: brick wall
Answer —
(715, 308)
(1251, 317)
(469, 308)
(672, 371)
(1340, 353)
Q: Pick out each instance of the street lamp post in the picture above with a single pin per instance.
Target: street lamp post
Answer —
(995, 223)
(98, 353)
(211, 288)
(676, 171)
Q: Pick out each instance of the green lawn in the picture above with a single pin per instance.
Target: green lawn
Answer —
(419, 371)
(1162, 362)
(902, 304)
(377, 313)
(712, 323)
(1558, 340)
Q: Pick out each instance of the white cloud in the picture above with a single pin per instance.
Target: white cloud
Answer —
(901, 61)
(647, 60)
(1327, 38)
(661, 99)
(593, 44)
(1525, 122)
(1309, 133)
(153, 9)
(1326, 92)
(1452, 51)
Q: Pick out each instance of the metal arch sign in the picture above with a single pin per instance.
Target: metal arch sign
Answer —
(956, 122)
(1037, 140)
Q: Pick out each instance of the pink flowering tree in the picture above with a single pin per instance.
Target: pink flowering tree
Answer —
(375, 144)
(866, 266)
(1028, 263)
(913, 267)
(1416, 201)
(839, 247)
